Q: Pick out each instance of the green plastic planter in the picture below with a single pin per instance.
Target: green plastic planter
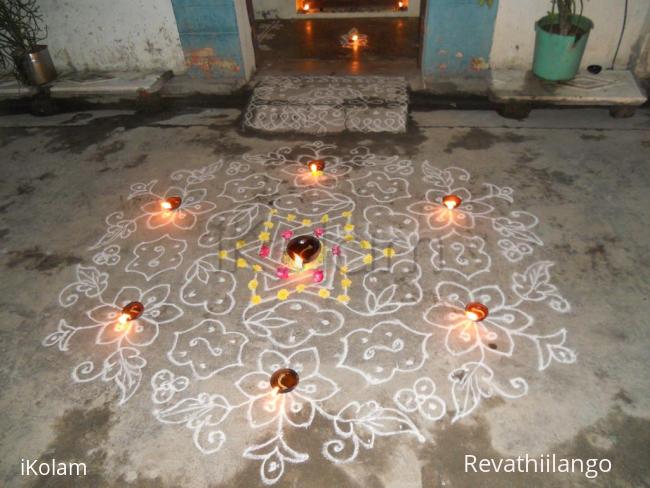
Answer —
(558, 57)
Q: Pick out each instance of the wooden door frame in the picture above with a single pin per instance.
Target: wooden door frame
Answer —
(423, 25)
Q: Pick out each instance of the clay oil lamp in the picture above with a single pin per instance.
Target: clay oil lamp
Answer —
(171, 203)
(316, 166)
(451, 201)
(476, 311)
(284, 380)
(302, 250)
(130, 311)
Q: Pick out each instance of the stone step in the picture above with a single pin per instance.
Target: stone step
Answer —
(328, 104)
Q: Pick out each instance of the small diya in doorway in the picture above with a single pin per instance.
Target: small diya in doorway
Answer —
(353, 39)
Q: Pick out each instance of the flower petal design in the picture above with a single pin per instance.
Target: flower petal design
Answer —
(141, 332)
(462, 339)
(191, 197)
(298, 412)
(490, 296)
(423, 208)
(159, 219)
(155, 295)
(254, 384)
(183, 219)
(453, 294)
(151, 207)
(316, 387)
(108, 335)
(127, 294)
(305, 362)
(269, 361)
(104, 313)
(443, 315)
(511, 319)
(265, 409)
(163, 313)
(200, 208)
(496, 338)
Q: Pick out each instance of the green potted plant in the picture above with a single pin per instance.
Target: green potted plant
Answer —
(20, 48)
(561, 37)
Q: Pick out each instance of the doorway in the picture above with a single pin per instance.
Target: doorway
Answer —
(337, 37)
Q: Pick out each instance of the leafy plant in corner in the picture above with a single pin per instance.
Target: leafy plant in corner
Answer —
(564, 21)
(20, 34)
(560, 40)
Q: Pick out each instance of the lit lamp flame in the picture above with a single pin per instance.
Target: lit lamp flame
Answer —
(354, 37)
(131, 311)
(400, 4)
(305, 7)
(171, 203)
(302, 250)
(476, 311)
(316, 166)
(271, 404)
(451, 201)
(122, 323)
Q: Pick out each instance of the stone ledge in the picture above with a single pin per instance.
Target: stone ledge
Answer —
(112, 84)
(608, 88)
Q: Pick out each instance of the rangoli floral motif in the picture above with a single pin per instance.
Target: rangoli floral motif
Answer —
(380, 308)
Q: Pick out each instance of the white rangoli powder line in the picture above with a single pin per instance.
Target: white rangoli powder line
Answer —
(390, 248)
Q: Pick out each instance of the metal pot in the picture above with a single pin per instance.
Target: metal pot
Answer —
(37, 66)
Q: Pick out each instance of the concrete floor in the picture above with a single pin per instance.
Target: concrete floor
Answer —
(394, 393)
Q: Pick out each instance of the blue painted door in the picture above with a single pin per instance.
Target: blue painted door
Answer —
(457, 38)
(210, 38)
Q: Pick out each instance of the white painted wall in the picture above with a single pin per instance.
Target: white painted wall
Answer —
(121, 35)
(514, 34)
(280, 9)
(286, 9)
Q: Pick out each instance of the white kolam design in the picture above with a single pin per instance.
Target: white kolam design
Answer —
(328, 104)
(375, 328)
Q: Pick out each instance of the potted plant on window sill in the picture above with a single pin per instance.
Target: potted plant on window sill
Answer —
(561, 38)
(20, 48)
